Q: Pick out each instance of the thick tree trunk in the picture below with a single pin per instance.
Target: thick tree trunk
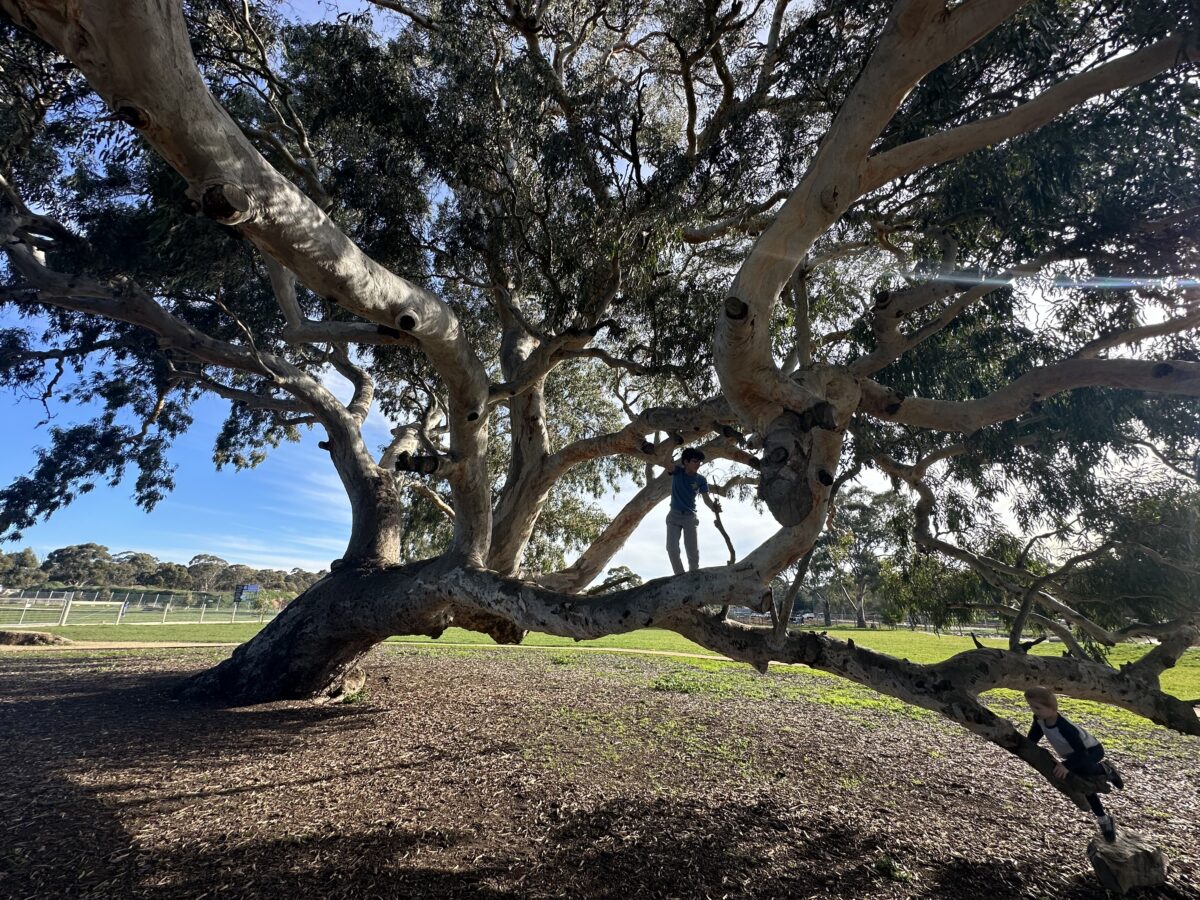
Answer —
(860, 605)
(526, 487)
(311, 650)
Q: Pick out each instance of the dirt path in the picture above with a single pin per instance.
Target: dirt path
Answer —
(501, 775)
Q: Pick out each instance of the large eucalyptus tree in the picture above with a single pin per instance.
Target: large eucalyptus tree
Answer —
(952, 241)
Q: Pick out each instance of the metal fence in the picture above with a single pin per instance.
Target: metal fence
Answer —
(48, 608)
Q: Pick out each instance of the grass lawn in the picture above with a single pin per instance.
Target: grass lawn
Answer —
(921, 647)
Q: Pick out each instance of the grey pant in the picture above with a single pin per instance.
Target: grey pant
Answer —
(685, 524)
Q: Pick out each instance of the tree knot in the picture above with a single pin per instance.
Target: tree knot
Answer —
(226, 203)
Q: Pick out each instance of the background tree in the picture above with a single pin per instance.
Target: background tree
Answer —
(555, 242)
(21, 569)
(234, 575)
(919, 588)
(865, 528)
(206, 571)
(133, 567)
(79, 565)
(170, 575)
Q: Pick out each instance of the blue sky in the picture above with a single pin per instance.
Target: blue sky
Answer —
(290, 511)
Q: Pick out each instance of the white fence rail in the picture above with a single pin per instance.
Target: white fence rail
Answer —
(50, 608)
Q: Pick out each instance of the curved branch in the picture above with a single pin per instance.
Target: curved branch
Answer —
(950, 688)
(1136, 335)
(919, 36)
(137, 55)
(890, 309)
(373, 536)
(600, 552)
(1125, 71)
(746, 218)
(687, 423)
(420, 487)
(1012, 400)
(534, 608)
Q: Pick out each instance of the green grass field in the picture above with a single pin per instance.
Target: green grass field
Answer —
(1183, 680)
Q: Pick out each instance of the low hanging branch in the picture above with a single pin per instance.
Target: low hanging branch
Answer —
(951, 688)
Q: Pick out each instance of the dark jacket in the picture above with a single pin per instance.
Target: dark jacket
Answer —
(1085, 751)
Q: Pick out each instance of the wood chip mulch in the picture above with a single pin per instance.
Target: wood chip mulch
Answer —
(488, 774)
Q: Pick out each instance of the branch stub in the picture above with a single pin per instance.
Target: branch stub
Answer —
(736, 309)
(226, 203)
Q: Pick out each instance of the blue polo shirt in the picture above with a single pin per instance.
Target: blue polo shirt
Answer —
(684, 488)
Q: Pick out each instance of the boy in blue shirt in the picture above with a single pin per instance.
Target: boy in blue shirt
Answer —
(686, 483)
(1080, 753)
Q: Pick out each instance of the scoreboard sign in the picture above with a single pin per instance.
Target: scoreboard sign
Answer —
(244, 592)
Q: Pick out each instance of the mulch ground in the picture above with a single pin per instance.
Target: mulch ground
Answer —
(487, 774)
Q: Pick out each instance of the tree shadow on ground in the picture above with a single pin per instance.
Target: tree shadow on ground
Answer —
(632, 848)
(93, 802)
(106, 837)
(1002, 880)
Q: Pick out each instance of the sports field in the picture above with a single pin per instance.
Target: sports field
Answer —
(918, 646)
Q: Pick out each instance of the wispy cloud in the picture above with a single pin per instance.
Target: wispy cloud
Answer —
(310, 489)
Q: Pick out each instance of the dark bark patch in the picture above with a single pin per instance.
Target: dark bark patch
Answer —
(226, 203)
(411, 462)
(736, 309)
(1162, 370)
(784, 484)
(131, 115)
(407, 322)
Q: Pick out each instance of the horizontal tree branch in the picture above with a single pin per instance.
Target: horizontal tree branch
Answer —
(1174, 325)
(1015, 399)
(699, 234)
(949, 688)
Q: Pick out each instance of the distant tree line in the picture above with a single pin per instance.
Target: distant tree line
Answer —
(92, 565)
